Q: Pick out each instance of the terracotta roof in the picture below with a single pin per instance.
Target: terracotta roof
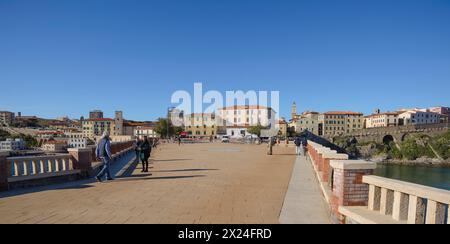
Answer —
(50, 132)
(55, 142)
(387, 113)
(198, 114)
(342, 113)
(100, 119)
(310, 112)
(145, 128)
(244, 107)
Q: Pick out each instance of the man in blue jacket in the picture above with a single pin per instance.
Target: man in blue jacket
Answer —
(103, 152)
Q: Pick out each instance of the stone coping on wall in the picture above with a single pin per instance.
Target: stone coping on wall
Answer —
(340, 156)
(362, 215)
(435, 194)
(79, 149)
(352, 164)
(43, 176)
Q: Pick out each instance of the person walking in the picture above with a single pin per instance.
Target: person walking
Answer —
(103, 152)
(146, 149)
(137, 148)
(179, 140)
(304, 146)
(298, 145)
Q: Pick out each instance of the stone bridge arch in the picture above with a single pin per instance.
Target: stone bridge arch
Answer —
(388, 139)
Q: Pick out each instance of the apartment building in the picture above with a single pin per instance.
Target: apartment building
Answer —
(418, 117)
(93, 128)
(237, 119)
(378, 120)
(6, 118)
(309, 121)
(54, 146)
(340, 122)
(200, 125)
(148, 131)
(12, 145)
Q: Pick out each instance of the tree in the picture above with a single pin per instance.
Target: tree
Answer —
(163, 125)
(256, 130)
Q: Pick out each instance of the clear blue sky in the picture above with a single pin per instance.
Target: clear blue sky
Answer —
(66, 57)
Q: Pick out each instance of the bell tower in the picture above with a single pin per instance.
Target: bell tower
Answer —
(294, 111)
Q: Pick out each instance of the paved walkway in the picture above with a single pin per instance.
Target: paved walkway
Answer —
(198, 183)
(304, 202)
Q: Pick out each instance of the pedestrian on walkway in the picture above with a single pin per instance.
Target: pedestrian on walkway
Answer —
(137, 148)
(103, 152)
(304, 146)
(145, 153)
(298, 144)
(179, 140)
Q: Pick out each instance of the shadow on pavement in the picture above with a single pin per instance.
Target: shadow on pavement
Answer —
(140, 177)
(172, 160)
(182, 170)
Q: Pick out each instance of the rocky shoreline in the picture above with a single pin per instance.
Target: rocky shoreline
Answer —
(428, 162)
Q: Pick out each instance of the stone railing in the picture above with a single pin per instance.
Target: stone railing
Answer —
(40, 170)
(406, 202)
(340, 179)
(356, 196)
(38, 165)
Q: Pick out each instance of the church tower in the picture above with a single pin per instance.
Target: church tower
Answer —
(294, 111)
(118, 122)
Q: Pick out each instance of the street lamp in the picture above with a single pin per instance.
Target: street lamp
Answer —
(168, 119)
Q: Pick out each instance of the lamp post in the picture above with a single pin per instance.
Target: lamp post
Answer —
(168, 120)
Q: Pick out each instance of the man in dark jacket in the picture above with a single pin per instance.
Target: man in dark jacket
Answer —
(103, 152)
(137, 145)
(298, 145)
(146, 149)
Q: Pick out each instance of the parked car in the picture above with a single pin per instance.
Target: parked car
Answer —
(225, 139)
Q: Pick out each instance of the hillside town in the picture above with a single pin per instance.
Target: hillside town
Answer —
(30, 133)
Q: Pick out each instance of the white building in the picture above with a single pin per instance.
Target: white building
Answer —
(417, 117)
(308, 121)
(237, 119)
(12, 145)
(78, 142)
(54, 146)
(142, 131)
(382, 120)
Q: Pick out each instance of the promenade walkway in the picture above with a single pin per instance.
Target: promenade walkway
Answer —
(304, 202)
(198, 183)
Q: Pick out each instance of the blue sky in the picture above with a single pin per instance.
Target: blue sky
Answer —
(66, 57)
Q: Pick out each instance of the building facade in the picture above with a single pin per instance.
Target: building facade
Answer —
(382, 120)
(148, 131)
(12, 145)
(308, 121)
(200, 125)
(237, 119)
(6, 118)
(443, 111)
(54, 146)
(96, 114)
(340, 122)
(78, 142)
(417, 117)
(93, 128)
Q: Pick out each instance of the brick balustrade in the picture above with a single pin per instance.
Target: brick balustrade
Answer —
(356, 196)
(348, 187)
(341, 179)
